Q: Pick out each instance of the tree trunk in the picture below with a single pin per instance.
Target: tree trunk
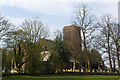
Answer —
(86, 52)
(108, 43)
(88, 61)
(114, 68)
(110, 63)
(118, 59)
(19, 70)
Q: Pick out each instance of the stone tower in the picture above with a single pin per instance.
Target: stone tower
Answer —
(72, 37)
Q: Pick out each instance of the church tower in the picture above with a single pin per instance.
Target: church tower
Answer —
(72, 37)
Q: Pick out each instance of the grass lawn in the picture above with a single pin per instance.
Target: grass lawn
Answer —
(80, 77)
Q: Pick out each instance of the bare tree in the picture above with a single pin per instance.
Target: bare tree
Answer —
(35, 29)
(114, 36)
(4, 26)
(84, 20)
(105, 37)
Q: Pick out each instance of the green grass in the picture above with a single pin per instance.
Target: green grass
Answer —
(80, 77)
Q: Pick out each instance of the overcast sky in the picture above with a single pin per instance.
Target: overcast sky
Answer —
(55, 14)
